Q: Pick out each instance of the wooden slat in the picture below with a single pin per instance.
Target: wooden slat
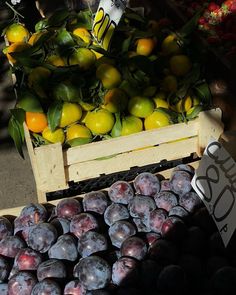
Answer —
(50, 167)
(125, 161)
(16, 211)
(121, 144)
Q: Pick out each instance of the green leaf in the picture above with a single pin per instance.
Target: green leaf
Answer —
(28, 101)
(85, 19)
(54, 115)
(58, 18)
(116, 130)
(191, 25)
(38, 140)
(193, 112)
(126, 44)
(203, 92)
(78, 141)
(19, 116)
(142, 34)
(64, 38)
(14, 130)
(132, 15)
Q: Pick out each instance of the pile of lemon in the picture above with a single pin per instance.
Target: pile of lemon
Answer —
(54, 107)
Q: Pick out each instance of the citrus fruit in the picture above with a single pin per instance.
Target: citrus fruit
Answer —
(97, 54)
(115, 100)
(38, 79)
(156, 120)
(35, 37)
(41, 25)
(77, 131)
(53, 136)
(153, 26)
(170, 45)
(83, 57)
(129, 89)
(17, 33)
(130, 125)
(83, 34)
(55, 60)
(183, 105)
(36, 122)
(105, 60)
(145, 46)
(100, 121)
(160, 103)
(15, 47)
(160, 95)
(108, 75)
(83, 117)
(87, 106)
(71, 112)
(140, 106)
(180, 65)
(66, 91)
(170, 84)
(149, 91)
(28, 102)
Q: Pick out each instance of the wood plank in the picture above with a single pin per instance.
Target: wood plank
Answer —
(50, 168)
(122, 144)
(125, 161)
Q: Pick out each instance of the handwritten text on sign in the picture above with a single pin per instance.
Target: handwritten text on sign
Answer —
(215, 183)
(106, 19)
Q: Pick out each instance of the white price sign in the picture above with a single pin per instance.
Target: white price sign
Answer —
(106, 20)
(215, 183)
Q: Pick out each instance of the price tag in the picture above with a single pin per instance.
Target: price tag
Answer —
(106, 20)
(215, 182)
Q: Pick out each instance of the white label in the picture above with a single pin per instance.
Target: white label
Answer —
(215, 182)
(106, 20)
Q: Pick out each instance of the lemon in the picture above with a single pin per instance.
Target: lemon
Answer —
(180, 65)
(38, 80)
(55, 60)
(16, 32)
(170, 46)
(156, 120)
(77, 131)
(71, 112)
(53, 136)
(115, 100)
(160, 103)
(108, 75)
(83, 34)
(83, 57)
(100, 121)
(140, 106)
(183, 105)
(170, 84)
(130, 125)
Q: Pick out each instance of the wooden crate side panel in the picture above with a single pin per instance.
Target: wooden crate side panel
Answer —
(125, 161)
(16, 211)
(50, 166)
(123, 144)
(211, 127)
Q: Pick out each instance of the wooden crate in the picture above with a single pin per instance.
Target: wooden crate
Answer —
(54, 167)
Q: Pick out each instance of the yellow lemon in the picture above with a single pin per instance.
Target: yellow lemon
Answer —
(180, 65)
(53, 136)
(170, 45)
(71, 113)
(77, 131)
(156, 120)
(160, 103)
(100, 121)
(83, 34)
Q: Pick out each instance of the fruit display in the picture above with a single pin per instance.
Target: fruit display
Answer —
(217, 22)
(72, 91)
(151, 236)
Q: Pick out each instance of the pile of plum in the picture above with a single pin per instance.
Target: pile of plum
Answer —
(153, 236)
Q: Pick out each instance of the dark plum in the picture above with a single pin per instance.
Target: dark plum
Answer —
(204, 220)
(156, 219)
(46, 287)
(190, 201)
(195, 241)
(119, 231)
(91, 242)
(129, 291)
(152, 238)
(51, 268)
(125, 271)
(74, 288)
(42, 237)
(95, 202)
(224, 281)
(163, 251)
(134, 247)
(28, 259)
(179, 212)
(146, 184)
(115, 212)
(11, 245)
(62, 225)
(180, 182)
(172, 279)
(65, 248)
(166, 200)
(30, 215)
(67, 208)
(4, 269)
(216, 245)
(214, 263)
(121, 192)
(165, 185)
(173, 228)
(5, 228)
(82, 223)
(98, 292)
(4, 289)
(141, 227)
(93, 272)
(141, 206)
(149, 272)
(184, 167)
(22, 283)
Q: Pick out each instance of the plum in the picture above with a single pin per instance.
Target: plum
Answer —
(93, 272)
(62, 225)
(190, 201)
(11, 245)
(224, 281)
(121, 192)
(156, 219)
(146, 184)
(28, 259)
(67, 208)
(125, 271)
(74, 288)
(166, 200)
(134, 247)
(4, 269)
(46, 287)
(119, 231)
(180, 182)
(21, 283)
(141, 206)
(173, 228)
(82, 223)
(5, 228)
(95, 202)
(51, 268)
(115, 212)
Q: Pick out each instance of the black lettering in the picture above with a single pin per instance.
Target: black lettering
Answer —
(209, 153)
(224, 228)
